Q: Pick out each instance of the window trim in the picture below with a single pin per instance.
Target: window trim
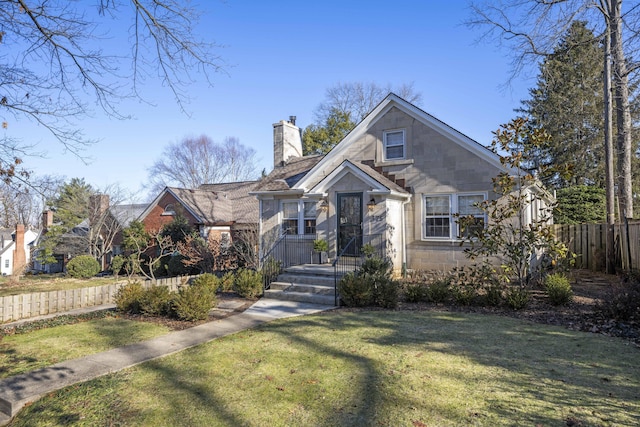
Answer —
(385, 146)
(169, 210)
(454, 228)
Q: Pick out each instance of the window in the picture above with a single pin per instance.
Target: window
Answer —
(467, 208)
(6, 263)
(394, 145)
(438, 216)
(440, 211)
(169, 210)
(299, 217)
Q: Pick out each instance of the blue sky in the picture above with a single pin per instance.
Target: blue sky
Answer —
(280, 58)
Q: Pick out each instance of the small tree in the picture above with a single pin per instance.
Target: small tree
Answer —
(147, 249)
(508, 236)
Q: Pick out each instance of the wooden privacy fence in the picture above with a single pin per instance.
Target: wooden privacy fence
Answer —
(24, 306)
(589, 243)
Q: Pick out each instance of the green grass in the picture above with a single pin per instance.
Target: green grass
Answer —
(30, 351)
(50, 282)
(381, 368)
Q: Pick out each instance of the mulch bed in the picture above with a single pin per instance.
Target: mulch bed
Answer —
(582, 314)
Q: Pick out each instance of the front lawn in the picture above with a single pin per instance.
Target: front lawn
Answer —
(387, 368)
(50, 282)
(25, 352)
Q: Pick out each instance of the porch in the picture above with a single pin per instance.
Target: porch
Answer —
(292, 270)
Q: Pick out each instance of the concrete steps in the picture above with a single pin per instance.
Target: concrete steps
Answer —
(311, 283)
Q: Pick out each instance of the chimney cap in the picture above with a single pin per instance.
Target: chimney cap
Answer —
(292, 120)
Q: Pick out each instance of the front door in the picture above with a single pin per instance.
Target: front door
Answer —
(350, 223)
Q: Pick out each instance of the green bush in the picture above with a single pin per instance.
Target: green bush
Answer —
(439, 290)
(156, 301)
(464, 294)
(516, 297)
(494, 294)
(209, 280)
(194, 302)
(116, 264)
(354, 291)
(558, 289)
(226, 282)
(175, 266)
(416, 292)
(127, 298)
(248, 283)
(371, 284)
(83, 266)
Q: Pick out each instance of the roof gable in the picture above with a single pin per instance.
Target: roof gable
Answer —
(341, 150)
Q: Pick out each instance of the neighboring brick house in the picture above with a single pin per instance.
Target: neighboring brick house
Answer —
(215, 210)
(398, 179)
(16, 247)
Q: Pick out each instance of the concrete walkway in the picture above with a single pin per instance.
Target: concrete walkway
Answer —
(19, 390)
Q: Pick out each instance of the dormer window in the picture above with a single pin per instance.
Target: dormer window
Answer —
(394, 145)
(169, 210)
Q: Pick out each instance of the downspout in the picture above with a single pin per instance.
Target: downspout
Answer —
(404, 238)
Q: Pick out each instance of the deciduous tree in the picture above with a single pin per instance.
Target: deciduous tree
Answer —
(196, 161)
(58, 62)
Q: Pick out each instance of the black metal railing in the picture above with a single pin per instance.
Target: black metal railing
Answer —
(353, 253)
(288, 250)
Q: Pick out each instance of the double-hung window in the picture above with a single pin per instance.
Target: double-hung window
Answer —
(394, 145)
(438, 216)
(441, 211)
(467, 208)
(298, 217)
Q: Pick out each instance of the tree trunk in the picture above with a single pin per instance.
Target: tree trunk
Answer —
(608, 155)
(623, 114)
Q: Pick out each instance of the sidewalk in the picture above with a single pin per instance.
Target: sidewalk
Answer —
(17, 391)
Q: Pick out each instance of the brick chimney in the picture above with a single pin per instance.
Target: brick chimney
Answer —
(19, 255)
(47, 220)
(287, 141)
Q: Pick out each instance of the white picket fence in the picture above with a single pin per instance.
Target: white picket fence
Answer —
(24, 306)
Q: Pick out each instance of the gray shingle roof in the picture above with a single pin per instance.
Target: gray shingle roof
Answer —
(285, 177)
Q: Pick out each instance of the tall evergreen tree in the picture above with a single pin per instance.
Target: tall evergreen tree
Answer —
(568, 104)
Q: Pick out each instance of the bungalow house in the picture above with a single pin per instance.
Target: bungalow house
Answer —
(15, 249)
(219, 211)
(395, 182)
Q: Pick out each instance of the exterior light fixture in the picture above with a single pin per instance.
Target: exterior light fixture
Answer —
(371, 204)
(324, 206)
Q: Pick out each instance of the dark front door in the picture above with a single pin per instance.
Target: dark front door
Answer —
(350, 223)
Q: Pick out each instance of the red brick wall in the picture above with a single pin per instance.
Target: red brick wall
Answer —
(155, 220)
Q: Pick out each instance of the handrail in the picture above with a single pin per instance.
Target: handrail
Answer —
(278, 240)
(335, 267)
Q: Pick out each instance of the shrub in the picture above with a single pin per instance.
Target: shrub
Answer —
(156, 301)
(248, 283)
(226, 282)
(175, 266)
(370, 285)
(416, 292)
(116, 264)
(194, 302)
(516, 297)
(208, 280)
(439, 290)
(623, 300)
(464, 294)
(354, 291)
(493, 295)
(127, 298)
(83, 266)
(558, 289)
